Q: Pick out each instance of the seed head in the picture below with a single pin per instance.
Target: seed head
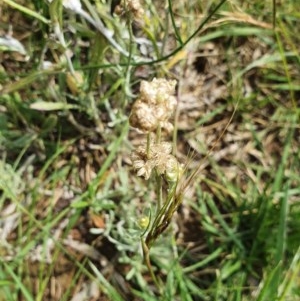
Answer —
(144, 163)
(133, 6)
(159, 91)
(136, 8)
(155, 105)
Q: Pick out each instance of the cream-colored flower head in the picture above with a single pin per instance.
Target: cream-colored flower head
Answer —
(159, 91)
(159, 157)
(133, 6)
(136, 8)
(155, 105)
(144, 163)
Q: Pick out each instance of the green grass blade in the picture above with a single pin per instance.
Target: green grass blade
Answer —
(27, 11)
(203, 262)
(18, 282)
(108, 288)
(267, 291)
(291, 279)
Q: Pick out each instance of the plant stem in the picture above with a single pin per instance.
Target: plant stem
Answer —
(159, 191)
(146, 254)
(158, 177)
(148, 145)
(158, 134)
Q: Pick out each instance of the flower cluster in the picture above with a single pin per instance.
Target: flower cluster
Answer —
(150, 112)
(133, 6)
(159, 157)
(155, 105)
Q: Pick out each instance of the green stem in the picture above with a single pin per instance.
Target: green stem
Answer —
(27, 11)
(158, 177)
(146, 253)
(148, 146)
(159, 192)
(158, 134)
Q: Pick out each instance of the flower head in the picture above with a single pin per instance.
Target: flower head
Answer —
(159, 157)
(159, 91)
(155, 105)
(133, 6)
